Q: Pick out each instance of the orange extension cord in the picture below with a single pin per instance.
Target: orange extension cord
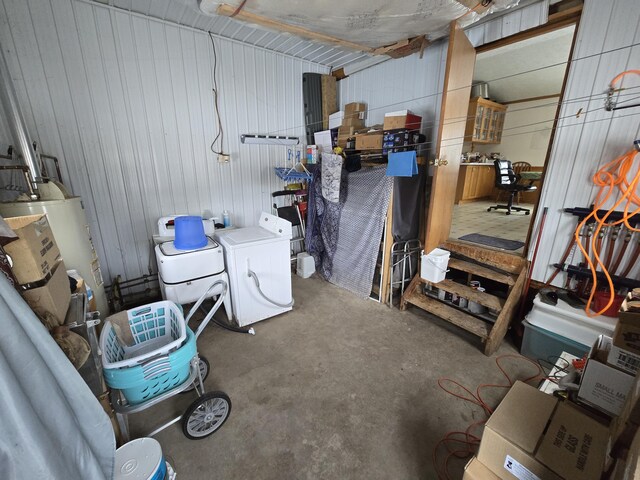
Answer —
(463, 444)
(610, 178)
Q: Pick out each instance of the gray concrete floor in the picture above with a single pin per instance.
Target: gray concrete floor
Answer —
(341, 387)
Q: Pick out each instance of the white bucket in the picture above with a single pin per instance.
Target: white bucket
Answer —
(433, 267)
(140, 459)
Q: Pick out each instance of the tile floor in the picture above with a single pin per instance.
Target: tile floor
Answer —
(474, 218)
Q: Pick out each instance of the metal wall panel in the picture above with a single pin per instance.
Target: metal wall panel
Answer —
(187, 13)
(406, 83)
(508, 23)
(126, 103)
(607, 43)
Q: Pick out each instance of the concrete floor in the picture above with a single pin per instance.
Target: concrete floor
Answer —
(340, 387)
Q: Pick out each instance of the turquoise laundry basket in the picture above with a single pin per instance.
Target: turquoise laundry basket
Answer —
(143, 382)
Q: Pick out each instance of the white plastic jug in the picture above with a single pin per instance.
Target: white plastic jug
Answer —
(433, 267)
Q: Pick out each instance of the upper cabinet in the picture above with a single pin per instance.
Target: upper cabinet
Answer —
(485, 121)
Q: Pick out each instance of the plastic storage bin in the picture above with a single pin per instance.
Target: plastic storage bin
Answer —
(541, 344)
(157, 328)
(568, 322)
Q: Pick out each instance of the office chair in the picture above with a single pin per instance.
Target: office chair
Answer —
(507, 180)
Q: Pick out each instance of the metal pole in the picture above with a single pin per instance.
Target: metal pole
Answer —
(17, 124)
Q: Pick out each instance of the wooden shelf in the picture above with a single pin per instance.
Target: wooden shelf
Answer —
(511, 272)
(481, 271)
(490, 301)
(463, 320)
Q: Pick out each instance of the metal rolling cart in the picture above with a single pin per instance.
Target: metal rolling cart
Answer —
(152, 377)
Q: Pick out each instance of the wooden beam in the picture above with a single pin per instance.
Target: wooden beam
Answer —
(501, 326)
(480, 271)
(386, 245)
(508, 262)
(531, 99)
(449, 314)
(490, 301)
(228, 10)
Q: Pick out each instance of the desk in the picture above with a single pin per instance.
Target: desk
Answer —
(531, 176)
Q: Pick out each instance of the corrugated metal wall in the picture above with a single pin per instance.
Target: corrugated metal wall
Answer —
(608, 42)
(407, 83)
(126, 103)
(416, 84)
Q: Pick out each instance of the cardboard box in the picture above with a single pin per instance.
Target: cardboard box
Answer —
(475, 470)
(624, 427)
(34, 253)
(335, 119)
(627, 332)
(531, 435)
(601, 385)
(355, 114)
(53, 297)
(403, 119)
(355, 107)
(369, 141)
(624, 360)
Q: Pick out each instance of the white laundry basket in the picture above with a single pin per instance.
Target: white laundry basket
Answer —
(433, 267)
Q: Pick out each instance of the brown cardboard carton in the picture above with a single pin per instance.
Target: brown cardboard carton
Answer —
(627, 333)
(53, 297)
(354, 107)
(405, 120)
(475, 470)
(529, 427)
(369, 141)
(34, 253)
(601, 385)
(574, 445)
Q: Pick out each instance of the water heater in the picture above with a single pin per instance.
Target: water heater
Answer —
(69, 225)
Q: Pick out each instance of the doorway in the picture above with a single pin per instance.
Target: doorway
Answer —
(513, 107)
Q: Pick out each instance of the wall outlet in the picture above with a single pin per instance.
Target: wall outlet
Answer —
(224, 158)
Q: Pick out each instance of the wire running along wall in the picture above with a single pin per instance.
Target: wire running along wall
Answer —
(126, 103)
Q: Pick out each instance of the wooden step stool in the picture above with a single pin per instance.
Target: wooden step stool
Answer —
(478, 262)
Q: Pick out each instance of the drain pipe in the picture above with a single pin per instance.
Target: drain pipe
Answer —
(18, 126)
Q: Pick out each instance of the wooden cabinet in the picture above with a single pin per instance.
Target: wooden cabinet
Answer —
(485, 121)
(475, 181)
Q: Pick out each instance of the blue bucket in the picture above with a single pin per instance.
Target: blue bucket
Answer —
(189, 233)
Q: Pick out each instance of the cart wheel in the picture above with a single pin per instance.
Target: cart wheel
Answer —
(206, 415)
(203, 365)
(526, 213)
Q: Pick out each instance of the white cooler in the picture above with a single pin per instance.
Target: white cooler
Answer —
(185, 275)
(569, 322)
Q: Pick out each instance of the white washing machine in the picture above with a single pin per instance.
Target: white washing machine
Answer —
(265, 252)
(185, 275)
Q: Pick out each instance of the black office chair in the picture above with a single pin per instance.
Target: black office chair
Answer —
(507, 180)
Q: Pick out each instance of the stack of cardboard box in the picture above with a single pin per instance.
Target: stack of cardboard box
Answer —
(625, 351)
(39, 269)
(534, 435)
(401, 131)
(348, 121)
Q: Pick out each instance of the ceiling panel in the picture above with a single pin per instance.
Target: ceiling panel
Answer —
(527, 69)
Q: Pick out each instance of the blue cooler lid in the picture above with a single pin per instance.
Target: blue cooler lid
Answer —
(189, 232)
(140, 459)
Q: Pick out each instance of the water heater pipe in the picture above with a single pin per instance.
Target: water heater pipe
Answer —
(17, 124)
